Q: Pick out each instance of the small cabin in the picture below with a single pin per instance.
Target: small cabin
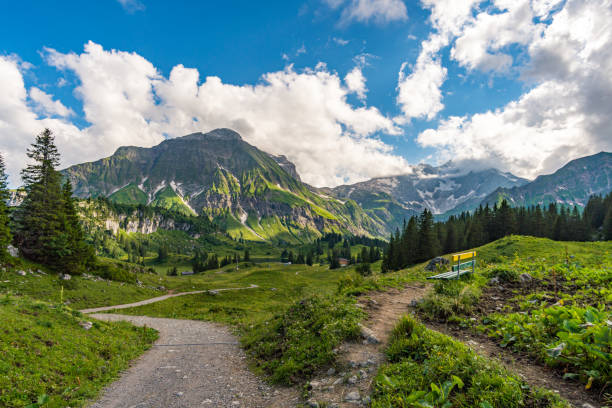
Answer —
(343, 262)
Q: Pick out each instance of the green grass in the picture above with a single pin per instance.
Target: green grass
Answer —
(429, 369)
(44, 351)
(279, 286)
(169, 200)
(79, 292)
(129, 194)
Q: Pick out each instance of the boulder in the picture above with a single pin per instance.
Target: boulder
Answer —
(525, 278)
(434, 263)
(65, 276)
(352, 396)
(21, 273)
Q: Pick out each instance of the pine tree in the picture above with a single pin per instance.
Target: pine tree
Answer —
(5, 233)
(607, 225)
(41, 234)
(428, 246)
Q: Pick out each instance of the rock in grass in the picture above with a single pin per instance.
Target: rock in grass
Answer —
(66, 276)
(86, 325)
(525, 278)
(12, 251)
(368, 335)
(21, 273)
(331, 371)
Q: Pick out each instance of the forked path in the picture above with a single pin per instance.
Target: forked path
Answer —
(159, 299)
(192, 364)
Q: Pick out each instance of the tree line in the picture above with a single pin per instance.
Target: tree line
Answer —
(45, 227)
(421, 238)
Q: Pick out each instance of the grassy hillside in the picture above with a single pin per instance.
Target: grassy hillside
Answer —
(48, 356)
(551, 301)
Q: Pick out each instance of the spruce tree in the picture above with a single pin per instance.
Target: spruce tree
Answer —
(40, 233)
(607, 225)
(5, 233)
(428, 246)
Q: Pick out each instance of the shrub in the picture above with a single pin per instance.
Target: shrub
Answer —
(504, 274)
(364, 269)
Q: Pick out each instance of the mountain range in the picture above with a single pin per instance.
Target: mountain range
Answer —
(258, 196)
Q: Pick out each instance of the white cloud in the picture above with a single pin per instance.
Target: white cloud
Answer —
(482, 41)
(419, 94)
(340, 41)
(45, 104)
(304, 115)
(566, 113)
(363, 11)
(19, 124)
(132, 6)
(356, 82)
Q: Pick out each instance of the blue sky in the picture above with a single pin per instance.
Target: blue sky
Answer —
(481, 72)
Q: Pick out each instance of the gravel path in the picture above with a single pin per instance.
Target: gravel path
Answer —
(158, 299)
(192, 364)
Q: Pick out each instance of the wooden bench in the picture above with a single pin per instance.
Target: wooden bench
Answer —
(459, 268)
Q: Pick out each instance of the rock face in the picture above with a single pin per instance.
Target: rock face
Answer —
(571, 185)
(436, 262)
(248, 192)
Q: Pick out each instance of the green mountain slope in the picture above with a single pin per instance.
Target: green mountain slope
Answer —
(250, 193)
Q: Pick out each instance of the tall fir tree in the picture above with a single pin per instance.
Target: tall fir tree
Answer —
(5, 232)
(40, 232)
(607, 225)
(428, 246)
(47, 226)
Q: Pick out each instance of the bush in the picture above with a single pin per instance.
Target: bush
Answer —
(504, 274)
(112, 272)
(364, 269)
(450, 298)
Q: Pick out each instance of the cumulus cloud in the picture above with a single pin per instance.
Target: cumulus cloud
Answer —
(126, 101)
(419, 94)
(566, 112)
(356, 82)
(363, 11)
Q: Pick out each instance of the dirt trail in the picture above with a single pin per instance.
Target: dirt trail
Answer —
(524, 366)
(358, 362)
(193, 363)
(158, 299)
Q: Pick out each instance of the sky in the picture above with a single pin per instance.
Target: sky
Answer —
(347, 89)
